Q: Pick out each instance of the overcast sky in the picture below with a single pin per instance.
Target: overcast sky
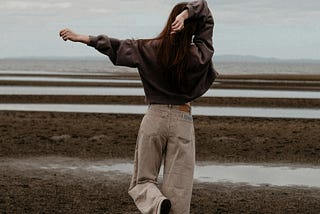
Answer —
(268, 28)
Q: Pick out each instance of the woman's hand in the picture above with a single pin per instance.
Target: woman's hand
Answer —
(67, 34)
(178, 24)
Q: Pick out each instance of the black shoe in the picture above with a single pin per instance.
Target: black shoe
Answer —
(165, 206)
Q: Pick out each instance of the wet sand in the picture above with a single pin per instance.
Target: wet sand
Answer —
(104, 136)
(109, 136)
(225, 139)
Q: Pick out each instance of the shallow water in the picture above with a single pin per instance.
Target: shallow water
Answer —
(204, 171)
(141, 109)
(64, 79)
(39, 72)
(138, 91)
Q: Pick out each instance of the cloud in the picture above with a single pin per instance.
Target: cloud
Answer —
(263, 24)
(266, 12)
(33, 5)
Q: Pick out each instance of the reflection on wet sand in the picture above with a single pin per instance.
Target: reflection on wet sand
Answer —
(65, 79)
(141, 109)
(204, 172)
(138, 91)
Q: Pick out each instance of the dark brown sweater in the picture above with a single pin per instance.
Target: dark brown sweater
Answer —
(200, 73)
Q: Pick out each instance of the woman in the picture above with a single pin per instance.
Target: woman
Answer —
(175, 68)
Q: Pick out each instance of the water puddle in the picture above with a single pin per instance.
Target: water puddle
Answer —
(204, 172)
(62, 73)
(196, 110)
(138, 91)
(64, 79)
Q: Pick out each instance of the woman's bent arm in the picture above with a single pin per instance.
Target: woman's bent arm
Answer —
(203, 36)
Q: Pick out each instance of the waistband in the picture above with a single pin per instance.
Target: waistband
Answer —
(184, 107)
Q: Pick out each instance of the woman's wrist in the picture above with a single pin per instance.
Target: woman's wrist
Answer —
(185, 14)
(83, 38)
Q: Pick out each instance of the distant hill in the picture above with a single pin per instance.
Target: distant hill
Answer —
(217, 58)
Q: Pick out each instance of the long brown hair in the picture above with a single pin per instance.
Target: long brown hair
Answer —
(173, 49)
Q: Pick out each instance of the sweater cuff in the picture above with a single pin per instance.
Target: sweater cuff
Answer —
(190, 11)
(93, 40)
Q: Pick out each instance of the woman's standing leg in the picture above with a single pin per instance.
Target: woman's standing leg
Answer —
(179, 164)
(150, 145)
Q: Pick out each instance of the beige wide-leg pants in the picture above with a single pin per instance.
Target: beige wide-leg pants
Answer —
(166, 133)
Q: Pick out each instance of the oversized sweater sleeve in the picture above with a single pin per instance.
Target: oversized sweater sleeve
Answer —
(120, 52)
(203, 35)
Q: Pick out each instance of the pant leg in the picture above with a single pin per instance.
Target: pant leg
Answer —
(179, 164)
(150, 145)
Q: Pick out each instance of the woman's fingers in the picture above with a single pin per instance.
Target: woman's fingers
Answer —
(66, 34)
(177, 26)
(175, 23)
(64, 31)
(63, 34)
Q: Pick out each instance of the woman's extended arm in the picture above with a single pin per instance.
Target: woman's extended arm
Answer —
(120, 52)
(67, 34)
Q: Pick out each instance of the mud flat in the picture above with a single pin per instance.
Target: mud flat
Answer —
(105, 136)
(225, 139)
(92, 136)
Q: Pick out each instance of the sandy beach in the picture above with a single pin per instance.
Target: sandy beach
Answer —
(72, 98)
(92, 136)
